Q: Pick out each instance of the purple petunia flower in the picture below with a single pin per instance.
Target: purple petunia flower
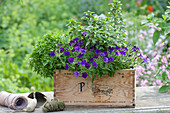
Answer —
(84, 33)
(123, 53)
(66, 66)
(97, 51)
(102, 55)
(83, 62)
(110, 59)
(66, 53)
(94, 64)
(134, 50)
(87, 65)
(96, 56)
(90, 51)
(81, 43)
(80, 55)
(61, 50)
(111, 49)
(71, 60)
(116, 53)
(91, 59)
(144, 60)
(77, 48)
(76, 39)
(79, 62)
(83, 51)
(117, 48)
(59, 45)
(84, 75)
(76, 73)
(72, 41)
(52, 53)
(105, 59)
(73, 50)
(105, 52)
(125, 48)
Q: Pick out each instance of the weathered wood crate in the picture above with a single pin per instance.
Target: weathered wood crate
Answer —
(107, 92)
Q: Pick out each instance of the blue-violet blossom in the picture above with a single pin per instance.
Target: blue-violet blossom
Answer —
(94, 64)
(76, 73)
(80, 55)
(110, 59)
(66, 66)
(52, 53)
(83, 51)
(105, 59)
(84, 75)
(71, 60)
(66, 53)
(87, 65)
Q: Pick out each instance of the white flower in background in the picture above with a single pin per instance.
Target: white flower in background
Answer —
(32, 88)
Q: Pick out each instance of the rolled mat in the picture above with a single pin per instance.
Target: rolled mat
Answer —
(13, 101)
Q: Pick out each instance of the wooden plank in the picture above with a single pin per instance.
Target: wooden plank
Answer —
(148, 100)
(117, 91)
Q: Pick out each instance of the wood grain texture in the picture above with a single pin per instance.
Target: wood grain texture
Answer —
(117, 91)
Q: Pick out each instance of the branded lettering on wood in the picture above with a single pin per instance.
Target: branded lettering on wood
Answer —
(117, 91)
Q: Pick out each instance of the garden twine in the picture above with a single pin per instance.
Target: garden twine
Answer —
(53, 105)
(13, 101)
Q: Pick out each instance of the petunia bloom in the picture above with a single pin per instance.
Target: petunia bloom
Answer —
(117, 48)
(105, 59)
(84, 33)
(111, 49)
(125, 48)
(91, 59)
(96, 56)
(87, 65)
(80, 55)
(116, 53)
(94, 64)
(110, 59)
(83, 62)
(61, 50)
(71, 60)
(105, 52)
(84, 75)
(66, 53)
(97, 51)
(123, 53)
(73, 50)
(52, 53)
(77, 48)
(76, 73)
(66, 66)
(79, 62)
(102, 55)
(83, 51)
(76, 39)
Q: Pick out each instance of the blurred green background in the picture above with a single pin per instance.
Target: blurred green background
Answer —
(24, 22)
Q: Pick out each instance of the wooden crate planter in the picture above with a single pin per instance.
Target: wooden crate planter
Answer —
(117, 91)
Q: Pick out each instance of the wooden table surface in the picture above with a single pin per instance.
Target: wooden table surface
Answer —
(147, 100)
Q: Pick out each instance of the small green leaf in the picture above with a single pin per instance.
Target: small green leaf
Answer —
(156, 36)
(164, 89)
(163, 75)
(164, 17)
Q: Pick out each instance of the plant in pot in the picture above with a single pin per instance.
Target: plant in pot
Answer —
(92, 62)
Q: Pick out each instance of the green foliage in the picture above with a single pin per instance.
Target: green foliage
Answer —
(163, 25)
(40, 59)
(19, 79)
(24, 22)
(105, 33)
